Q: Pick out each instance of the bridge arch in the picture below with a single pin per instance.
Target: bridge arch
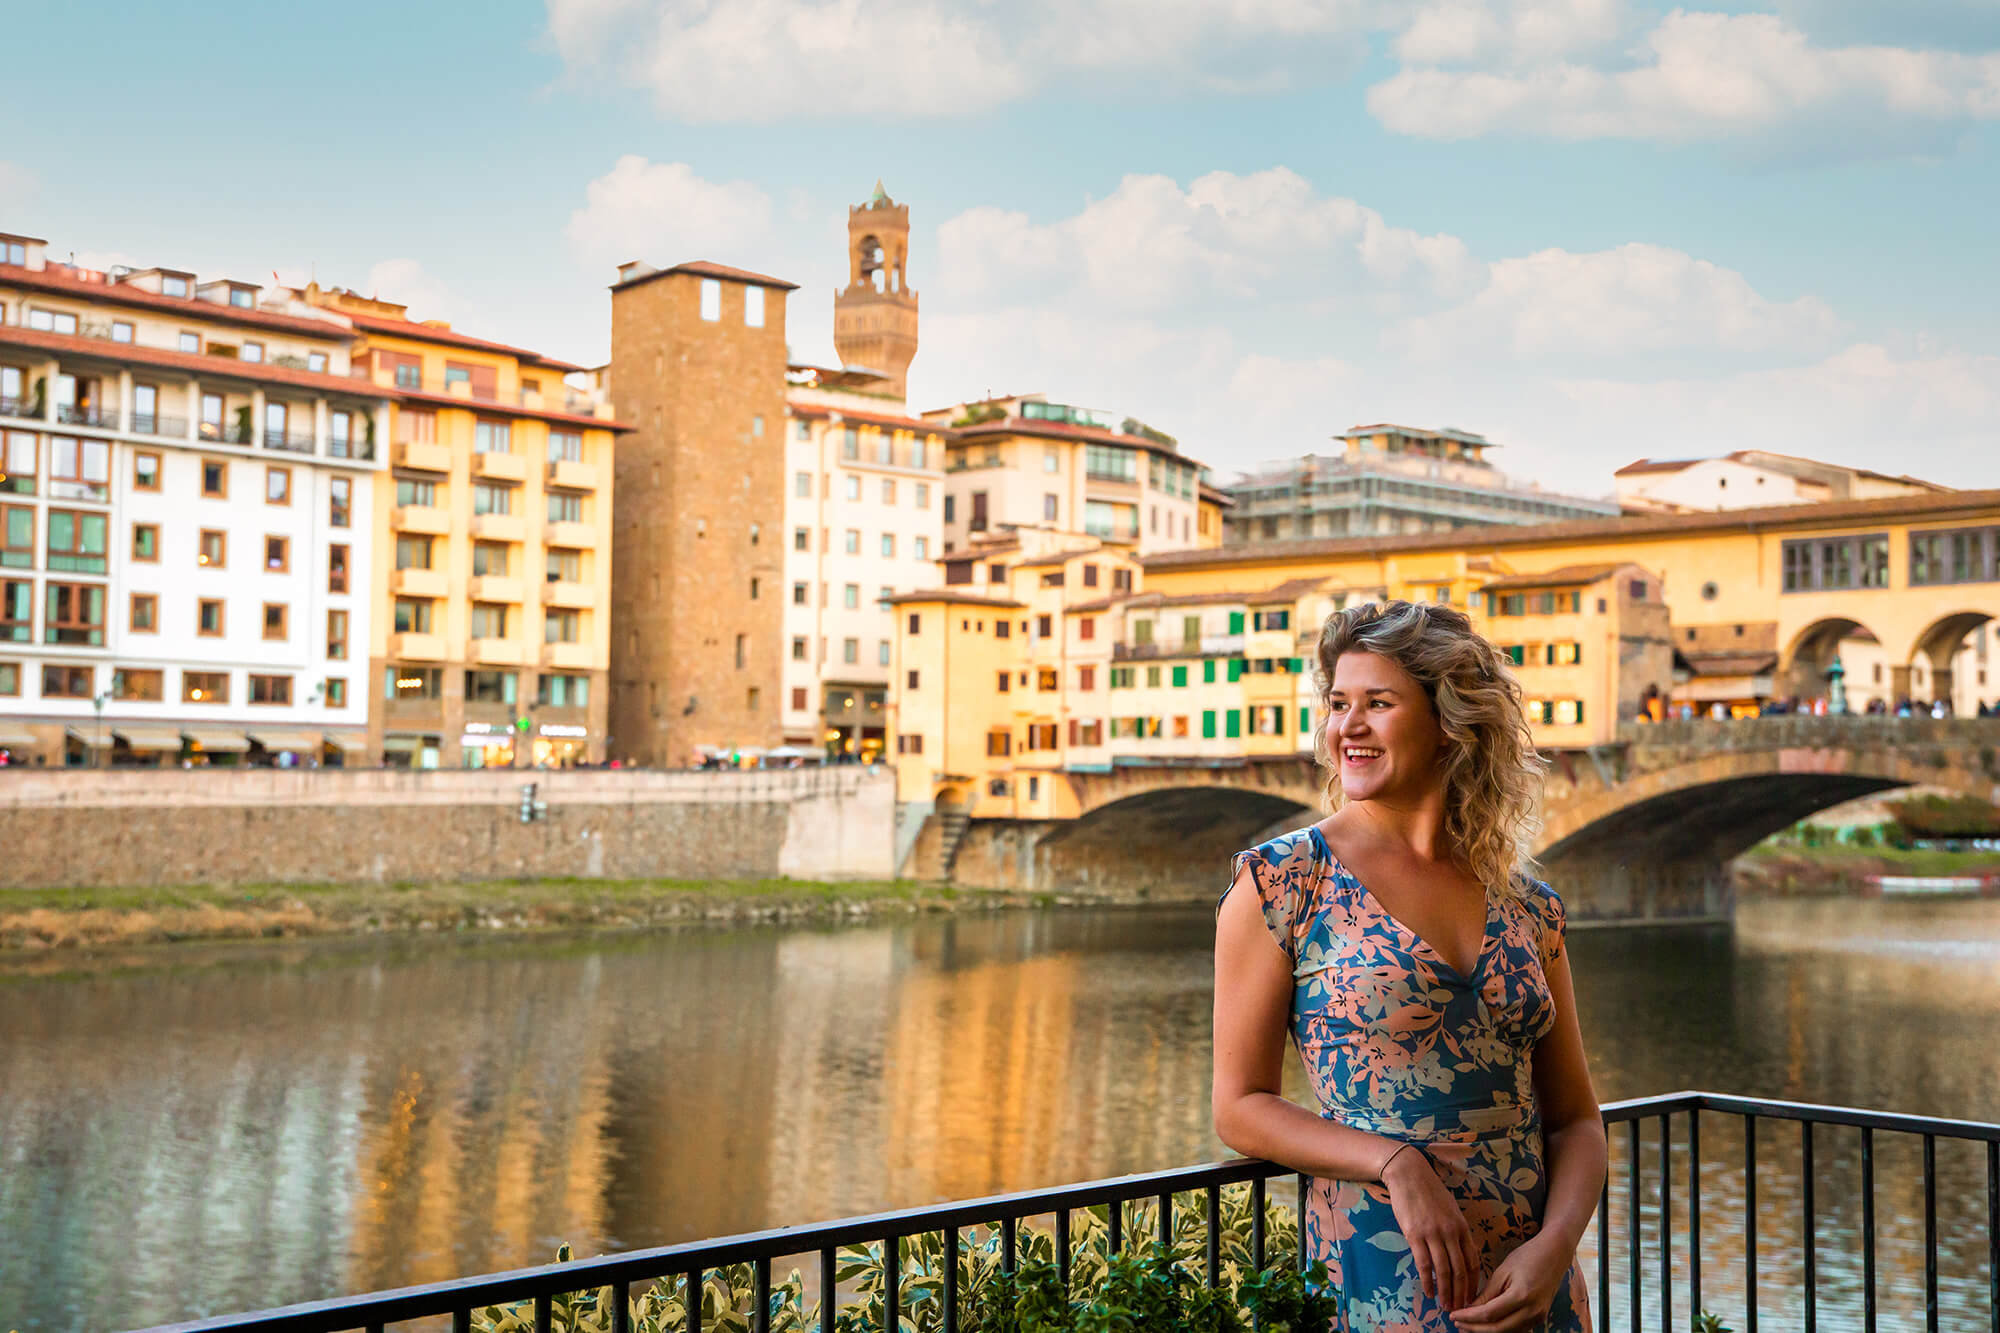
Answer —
(1940, 645)
(1170, 840)
(1802, 670)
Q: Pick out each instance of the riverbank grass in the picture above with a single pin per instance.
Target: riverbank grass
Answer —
(39, 919)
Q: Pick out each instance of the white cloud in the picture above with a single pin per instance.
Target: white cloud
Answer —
(665, 213)
(1706, 76)
(766, 60)
(1645, 301)
(1510, 32)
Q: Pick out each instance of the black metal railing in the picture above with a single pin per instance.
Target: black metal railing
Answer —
(1001, 1216)
(87, 414)
(224, 432)
(155, 423)
(291, 441)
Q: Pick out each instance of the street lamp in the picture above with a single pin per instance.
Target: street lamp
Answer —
(1836, 688)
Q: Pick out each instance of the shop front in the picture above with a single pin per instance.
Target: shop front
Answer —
(854, 722)
(486, 745)
(561, 745)
(213, 748)
(408, 750)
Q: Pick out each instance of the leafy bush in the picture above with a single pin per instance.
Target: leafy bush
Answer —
(1144, 1288)
(1946, 817)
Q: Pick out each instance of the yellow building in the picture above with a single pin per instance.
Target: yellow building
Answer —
(492, 589)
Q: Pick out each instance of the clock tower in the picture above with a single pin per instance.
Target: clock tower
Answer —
(875, 317)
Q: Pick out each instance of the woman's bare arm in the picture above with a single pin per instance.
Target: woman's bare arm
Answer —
(1572, 1124)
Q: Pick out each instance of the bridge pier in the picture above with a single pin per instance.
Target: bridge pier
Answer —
(1633, 889)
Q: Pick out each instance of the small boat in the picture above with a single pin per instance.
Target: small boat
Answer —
(1935, 886)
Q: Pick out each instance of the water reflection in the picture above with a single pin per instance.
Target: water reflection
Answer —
(309, 1121)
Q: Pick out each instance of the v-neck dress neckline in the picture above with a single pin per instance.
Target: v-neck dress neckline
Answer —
(1436, 955)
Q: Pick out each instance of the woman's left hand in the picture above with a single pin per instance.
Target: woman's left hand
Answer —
(1520, 1292)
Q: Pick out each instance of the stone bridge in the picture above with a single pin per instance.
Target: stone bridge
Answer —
(1636, 830)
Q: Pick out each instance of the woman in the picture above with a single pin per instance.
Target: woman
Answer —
(1459, 1151)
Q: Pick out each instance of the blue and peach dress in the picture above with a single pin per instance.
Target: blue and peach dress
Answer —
(1397, 1043)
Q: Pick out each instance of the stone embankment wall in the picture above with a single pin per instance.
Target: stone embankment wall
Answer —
(261, 826)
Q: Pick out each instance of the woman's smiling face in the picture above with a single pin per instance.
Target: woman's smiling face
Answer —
(1382, 729)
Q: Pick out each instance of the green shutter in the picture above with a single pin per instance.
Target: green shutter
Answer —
(1208, 672)
(1235, 622)
(1298, 666)
(1180, 677)
(1235, 668)
(1208, 724)
(1232, 723)
(1305, 719)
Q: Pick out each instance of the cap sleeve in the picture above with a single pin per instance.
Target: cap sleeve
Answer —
(1283, 872)
(1552, 918)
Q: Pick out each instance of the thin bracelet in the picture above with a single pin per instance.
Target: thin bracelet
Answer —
(1382, 1170)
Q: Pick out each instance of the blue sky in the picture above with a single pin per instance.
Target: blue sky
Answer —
(1593, 229)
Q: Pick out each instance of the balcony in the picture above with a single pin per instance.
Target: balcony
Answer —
(500, 527)
(347, 447)
(18, 407)
(421, 518)
(566, 532)
(500, 467)
(419, 583)
(1144, 652)
(224, 432)
(153, 423)
(499, 652)
(411, 646)
(423, 457)
(496, 588)
(573, 475)
(289, 441)
(87, 414)
(580, 596)
(568, 656)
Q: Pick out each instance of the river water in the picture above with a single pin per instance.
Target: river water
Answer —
(232, 1128)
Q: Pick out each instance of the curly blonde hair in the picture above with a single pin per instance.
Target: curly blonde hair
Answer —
(1492, 774)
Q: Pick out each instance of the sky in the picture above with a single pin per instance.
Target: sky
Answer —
(1591, 230)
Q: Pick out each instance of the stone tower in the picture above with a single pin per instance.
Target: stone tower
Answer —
(875, 318)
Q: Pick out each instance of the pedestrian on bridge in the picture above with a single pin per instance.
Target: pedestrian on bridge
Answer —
(1420, 968)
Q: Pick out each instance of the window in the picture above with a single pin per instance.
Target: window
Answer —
(563, 566)
(565, 507)
(950, 504)
(277, 621)
(76, 541)
(270, 689)
(562, 691)
(1152, 677)
(190, 342)
(454, 373)
(336, 568)
(1111, 462)
(561, 625)
(214, 479)
(850, 487)
(316, 362)
(68, 682)
(339, 501)
(565, 446)
(415, 425)
(851, 541)
(205, 687)
(340, 435)
(334, 691)
(889, 543)
(413, 615)
(1568, 712)
(137, 686)
(850, 596)
(1263, 620)
(208, 618)
(277, 555)
(121, 331)
(753, 307)
(52, 321)
(145, 471)
(492, 499)
(1817, 563)
(79, 469)
(490, 687)
(910, 681)
(276, 419)
(1121, 580)
(336, 635)
(17, 532)
(799, 595)
(73, 613)
(711, 299)
(144, 613)
(492, 437)
(212, 551)
(146, 542)
(408, 682)
(254, 351)
(17, 466)
(1965, 555)
(421, 494)
(489, 620)
(17, 609)
(489, 559)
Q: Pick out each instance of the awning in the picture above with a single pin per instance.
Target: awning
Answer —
(226, 741)
(401, 744)
(349, 741)
(149, 738)
(92, 737)
(305, 742)
(13, 739)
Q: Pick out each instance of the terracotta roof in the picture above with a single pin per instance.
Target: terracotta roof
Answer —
(195, 363)
(1214, 496)
(1729, 664)
(1584, 574)
(1945, 505)
(977, 552)
(1657, 465)
(954, 597)
(872, 418)
(1288, 591)
(1063, 430)
(705, 268)
(418, 332)
(1064, 557)
(486, 407)
(125, 294)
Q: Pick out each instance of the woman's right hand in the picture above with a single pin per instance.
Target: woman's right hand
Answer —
(1441, 1243)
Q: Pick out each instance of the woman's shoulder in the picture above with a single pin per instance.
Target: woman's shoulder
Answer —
(1301, 848)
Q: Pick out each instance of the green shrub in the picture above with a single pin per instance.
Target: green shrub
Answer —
(1144, 1288)
(1946, 817)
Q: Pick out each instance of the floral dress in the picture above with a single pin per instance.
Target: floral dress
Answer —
(1396, 1042)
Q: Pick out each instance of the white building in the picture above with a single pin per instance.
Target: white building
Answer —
(1749, 479)
(864, 505)
(188, 471)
